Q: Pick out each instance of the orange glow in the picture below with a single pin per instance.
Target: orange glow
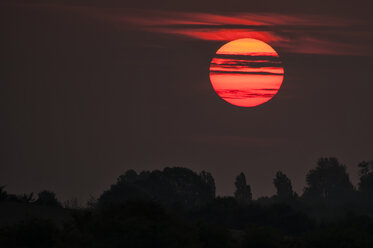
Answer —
(246, 47)
(251, 76)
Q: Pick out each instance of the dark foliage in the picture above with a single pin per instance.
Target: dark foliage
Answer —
(366, 177)
(283, 186)
(329, 181)
(47, 198)
(243, 191)
(3, 193)
(171, 187)
(31, 233)
(177, 208)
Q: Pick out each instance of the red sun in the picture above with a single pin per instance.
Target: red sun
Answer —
(246, 72)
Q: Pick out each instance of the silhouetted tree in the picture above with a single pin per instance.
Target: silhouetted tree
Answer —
(27, 198)
(283, 186)
(366, 177)
(48, 198)
(243, 191)
(328, 181)
(3, 193)
(172, 187)
(190, 188)
(218, 222)
(365, 186)
(72, 203)
(120, 193)
(4, 196)
(209, 181)
(91, 202)
(129, 177)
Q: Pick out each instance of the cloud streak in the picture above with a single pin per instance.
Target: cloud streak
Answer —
(292, 33)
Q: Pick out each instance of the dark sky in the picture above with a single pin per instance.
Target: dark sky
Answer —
(88, 91)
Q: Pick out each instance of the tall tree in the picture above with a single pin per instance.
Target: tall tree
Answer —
(328, 181)
(3, 193)
(283, 186)
(243, 191)
(366, 177)
(209, 181)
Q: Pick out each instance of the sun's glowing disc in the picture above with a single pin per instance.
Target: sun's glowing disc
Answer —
(246, 72)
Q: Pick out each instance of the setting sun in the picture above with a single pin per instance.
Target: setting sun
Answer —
(246, 72)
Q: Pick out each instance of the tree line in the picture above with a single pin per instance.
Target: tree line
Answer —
(177, 207)
(327, 184)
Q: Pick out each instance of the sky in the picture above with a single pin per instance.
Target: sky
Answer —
(90, 89)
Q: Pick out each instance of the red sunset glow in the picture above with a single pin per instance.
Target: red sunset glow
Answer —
(246, 72)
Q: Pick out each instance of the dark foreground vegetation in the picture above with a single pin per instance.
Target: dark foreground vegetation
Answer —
(177, 207)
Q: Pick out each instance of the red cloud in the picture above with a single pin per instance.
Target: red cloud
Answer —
(291, 33)
(221, 34)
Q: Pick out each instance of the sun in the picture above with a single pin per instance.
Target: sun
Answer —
(246, 72)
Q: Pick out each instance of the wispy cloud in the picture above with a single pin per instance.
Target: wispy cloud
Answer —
(291, 33)
(296, 33)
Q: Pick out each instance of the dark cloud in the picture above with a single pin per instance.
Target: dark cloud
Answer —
(245, 72)
(248, 57)
(243, 94)
(250, 64)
